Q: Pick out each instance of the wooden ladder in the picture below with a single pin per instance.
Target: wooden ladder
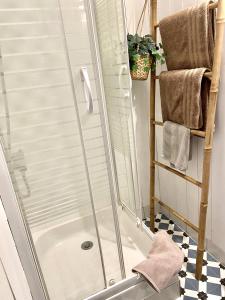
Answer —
(207, 135)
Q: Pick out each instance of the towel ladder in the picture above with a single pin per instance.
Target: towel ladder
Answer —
(214, 76)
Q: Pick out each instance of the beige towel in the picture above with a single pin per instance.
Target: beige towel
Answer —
(164, 261)
(188, 38)
(184, 97)
(176, 145)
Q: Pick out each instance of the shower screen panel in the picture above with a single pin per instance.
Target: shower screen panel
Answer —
(51, 132)
(112, 39)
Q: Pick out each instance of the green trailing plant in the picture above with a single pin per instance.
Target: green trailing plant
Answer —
(144, 46)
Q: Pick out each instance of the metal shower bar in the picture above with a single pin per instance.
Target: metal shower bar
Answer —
(117, 288)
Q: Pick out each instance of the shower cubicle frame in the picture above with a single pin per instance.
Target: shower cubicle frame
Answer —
(138, 213)
(21, 233)
(13, 209)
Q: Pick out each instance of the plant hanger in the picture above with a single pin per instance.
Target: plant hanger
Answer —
(142, 18)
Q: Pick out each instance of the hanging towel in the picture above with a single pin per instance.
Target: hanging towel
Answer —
(176, 145)
(188, 38)
(164, 261)
(184, 97)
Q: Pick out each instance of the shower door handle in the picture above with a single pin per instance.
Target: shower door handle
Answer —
(87, 89)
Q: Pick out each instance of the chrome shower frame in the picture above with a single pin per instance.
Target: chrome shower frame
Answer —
(13, 208)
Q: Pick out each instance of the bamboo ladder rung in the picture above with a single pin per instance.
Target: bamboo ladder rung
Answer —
(186, 177)
(207, 75)
(199, 133)
(176, 214)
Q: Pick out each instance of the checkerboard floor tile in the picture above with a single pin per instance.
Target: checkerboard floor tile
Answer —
(212, 284)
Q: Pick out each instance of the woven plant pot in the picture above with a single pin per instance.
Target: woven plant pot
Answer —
(141, 66)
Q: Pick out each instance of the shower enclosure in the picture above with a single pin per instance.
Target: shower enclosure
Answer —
(67, 137)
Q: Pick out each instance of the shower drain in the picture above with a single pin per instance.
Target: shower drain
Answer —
(87, 245)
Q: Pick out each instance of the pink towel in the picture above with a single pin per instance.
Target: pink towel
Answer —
(164, 261)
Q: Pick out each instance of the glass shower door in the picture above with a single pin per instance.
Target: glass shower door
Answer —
(52, 136)
(112, 39)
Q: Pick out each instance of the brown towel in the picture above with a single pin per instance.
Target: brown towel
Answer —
(184, 97)
(164, 261)
(188, 38)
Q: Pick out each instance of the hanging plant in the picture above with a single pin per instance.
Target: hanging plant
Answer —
(143, 51)
(143, 55)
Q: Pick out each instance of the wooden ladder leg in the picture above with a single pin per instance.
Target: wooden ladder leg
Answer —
(203, 212)
(153, 19)
(209, 134)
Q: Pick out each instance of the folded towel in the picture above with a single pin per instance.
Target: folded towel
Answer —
(188, 38)
(176, 145)
(184, 97)
(164, 261)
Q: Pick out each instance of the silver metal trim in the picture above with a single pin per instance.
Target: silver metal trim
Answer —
(117, 288)
(136, 282)
(106, 133)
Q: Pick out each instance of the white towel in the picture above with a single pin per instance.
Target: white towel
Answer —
(176, 145)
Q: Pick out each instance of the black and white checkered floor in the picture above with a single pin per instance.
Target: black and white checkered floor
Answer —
(212, 284)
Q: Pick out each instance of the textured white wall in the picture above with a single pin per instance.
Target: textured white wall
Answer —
(173, 190)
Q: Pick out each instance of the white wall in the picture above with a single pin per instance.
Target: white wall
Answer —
(175, 191)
